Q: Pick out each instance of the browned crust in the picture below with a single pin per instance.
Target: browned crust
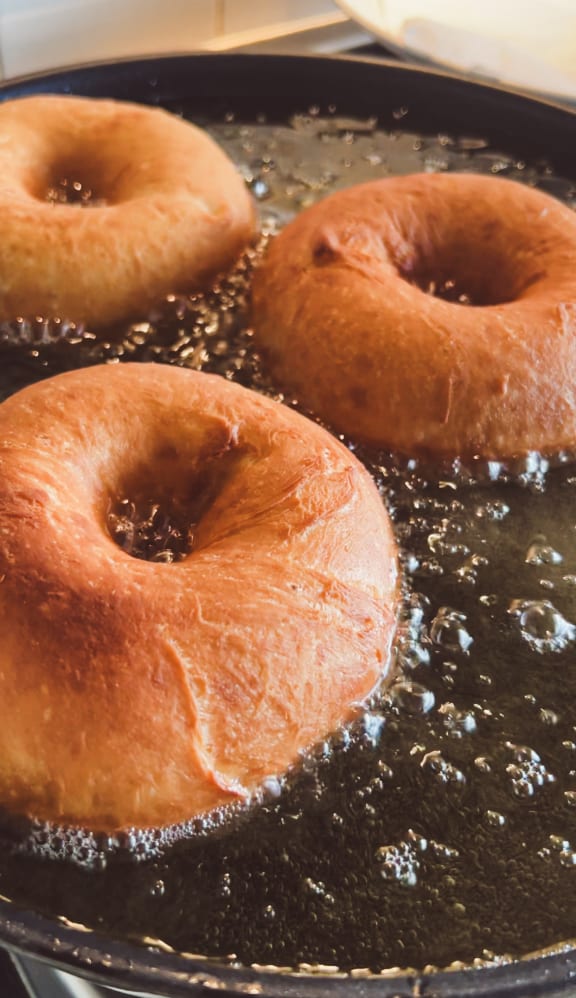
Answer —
(345, 326)
(142, 693)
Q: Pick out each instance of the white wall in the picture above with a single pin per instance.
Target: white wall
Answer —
(44, 34)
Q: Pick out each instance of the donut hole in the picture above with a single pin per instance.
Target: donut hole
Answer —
(156, 512)
(72, 182)
(480, 283)
(151, 529)
(479, 272)
(448, 290)
(66, 190)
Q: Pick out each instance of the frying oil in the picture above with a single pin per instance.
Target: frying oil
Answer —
(441, 825)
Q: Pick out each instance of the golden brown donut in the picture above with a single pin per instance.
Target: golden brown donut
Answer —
(168, 209)
(341, 310)
(139, 693)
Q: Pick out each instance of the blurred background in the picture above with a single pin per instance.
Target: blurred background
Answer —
(42, 34)
(529, 44)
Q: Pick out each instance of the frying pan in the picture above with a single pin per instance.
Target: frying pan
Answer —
(402, 98)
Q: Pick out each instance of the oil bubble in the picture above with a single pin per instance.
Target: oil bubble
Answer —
(542, 553)
(418, 609)
(548, 716)
(542, 625)
(494, 819)
(387, 773)
(448, 631)
(483, 764)
(492, 510)
(527, 772)
(373, 727)
(443, 851)
(442, 770)
(457, 722)
(400, 862)
(411, 655)
(468, 571)
(412, 697)
(319, 889)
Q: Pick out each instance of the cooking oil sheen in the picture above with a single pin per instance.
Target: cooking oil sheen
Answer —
(440, 826)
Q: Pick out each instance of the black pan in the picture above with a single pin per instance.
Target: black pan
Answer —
(405, 100)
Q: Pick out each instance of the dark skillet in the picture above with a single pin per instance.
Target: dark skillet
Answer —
(403, 99)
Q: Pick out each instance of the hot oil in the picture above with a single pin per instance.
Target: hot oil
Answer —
(441, 825)
(149, 529)
(67, 190)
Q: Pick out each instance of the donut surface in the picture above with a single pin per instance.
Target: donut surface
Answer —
(344, 311)
(167, 209)
(142, 693)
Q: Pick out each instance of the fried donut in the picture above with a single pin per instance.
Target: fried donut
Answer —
(140, 693)
(352, 308)
(164, 208)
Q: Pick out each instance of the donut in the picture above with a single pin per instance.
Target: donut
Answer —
(429, 315)
(161, 209)
(142, 693)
